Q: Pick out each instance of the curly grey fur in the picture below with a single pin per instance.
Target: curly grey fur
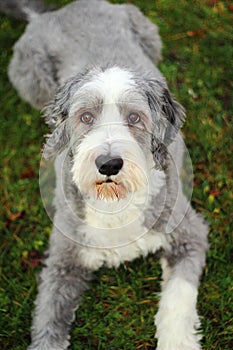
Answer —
(59, 50)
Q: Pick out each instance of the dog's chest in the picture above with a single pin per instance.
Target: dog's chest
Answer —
(93, 257)
(115, 233)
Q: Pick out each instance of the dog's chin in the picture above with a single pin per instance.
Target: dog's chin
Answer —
(110, 190)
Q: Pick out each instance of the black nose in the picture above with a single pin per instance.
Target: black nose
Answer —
(108, 165)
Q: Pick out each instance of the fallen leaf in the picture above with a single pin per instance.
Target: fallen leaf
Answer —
(31, 259)
(14, 216)
(27, 174)
(35, 258)
(150, 278)
(215, 192)
(198, 32)
(147, 301)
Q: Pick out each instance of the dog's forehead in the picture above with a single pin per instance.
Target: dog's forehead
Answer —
(111, 85)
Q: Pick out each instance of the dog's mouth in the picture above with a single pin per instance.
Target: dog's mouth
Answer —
(108, 180)
(110, 190)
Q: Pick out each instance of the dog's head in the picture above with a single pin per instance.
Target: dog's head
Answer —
(117, 125)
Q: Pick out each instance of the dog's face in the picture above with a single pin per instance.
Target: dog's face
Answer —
(111, 122)
(117, 125)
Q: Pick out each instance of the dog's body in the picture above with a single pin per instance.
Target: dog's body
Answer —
(118, 157)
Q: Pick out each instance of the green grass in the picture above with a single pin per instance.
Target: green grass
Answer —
(117, 312)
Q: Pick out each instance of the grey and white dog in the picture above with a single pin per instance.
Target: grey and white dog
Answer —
(118, 155)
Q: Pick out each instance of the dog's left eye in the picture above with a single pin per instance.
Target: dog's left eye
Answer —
(87, 118)
(134, 118)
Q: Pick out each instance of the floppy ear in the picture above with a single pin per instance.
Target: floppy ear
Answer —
(56, 142)
(168, 117)
(174, 113)
(56, 114)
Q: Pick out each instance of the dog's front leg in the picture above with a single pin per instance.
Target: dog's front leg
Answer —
(177, 319)
(60, 290)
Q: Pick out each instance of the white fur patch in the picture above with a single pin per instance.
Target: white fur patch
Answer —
(177, 318)
(111, 83)
(94, 258)
(115, 232)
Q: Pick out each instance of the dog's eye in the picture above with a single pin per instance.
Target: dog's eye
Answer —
(134, 118)
(87, 118)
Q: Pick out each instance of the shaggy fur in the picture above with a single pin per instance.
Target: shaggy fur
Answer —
(118, 154)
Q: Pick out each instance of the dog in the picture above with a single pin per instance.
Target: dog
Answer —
(117, 148)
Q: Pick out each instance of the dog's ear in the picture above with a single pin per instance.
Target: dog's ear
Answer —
(168, 117)
(56, 114)
(56, 142)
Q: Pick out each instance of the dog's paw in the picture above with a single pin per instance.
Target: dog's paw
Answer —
(47, 346)
(179, 346)
(38, 347)
(190, 342)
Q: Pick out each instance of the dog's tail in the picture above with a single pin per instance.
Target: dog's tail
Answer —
(24, 9)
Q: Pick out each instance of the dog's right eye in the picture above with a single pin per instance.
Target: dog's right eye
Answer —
(134, 118)
(87, 118)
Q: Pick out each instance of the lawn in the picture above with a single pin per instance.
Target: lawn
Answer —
(197, 63)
